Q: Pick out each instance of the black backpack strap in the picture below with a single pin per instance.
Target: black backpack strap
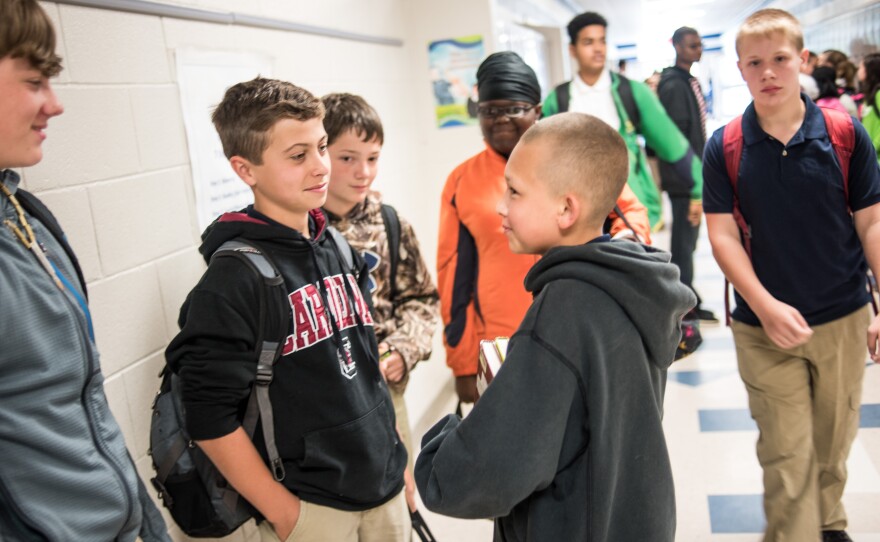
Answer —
(274, 325)
(175, 449)
(392, 233)
(625, 91)
(563, 96)
(38, 210)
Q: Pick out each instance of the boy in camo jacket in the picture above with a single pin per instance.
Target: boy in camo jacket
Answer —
(405, 313)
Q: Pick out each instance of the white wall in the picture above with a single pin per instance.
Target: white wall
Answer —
(116, 170)
(434, 153)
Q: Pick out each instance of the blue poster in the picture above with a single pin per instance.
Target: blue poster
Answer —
(453, 64)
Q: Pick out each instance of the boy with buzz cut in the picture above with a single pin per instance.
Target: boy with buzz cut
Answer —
(334, 422)
(798, 267)
(567, 443)
(405, 312)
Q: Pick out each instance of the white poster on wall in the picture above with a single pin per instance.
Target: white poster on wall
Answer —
(203, 77)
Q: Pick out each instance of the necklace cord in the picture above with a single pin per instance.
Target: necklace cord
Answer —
(27, 237)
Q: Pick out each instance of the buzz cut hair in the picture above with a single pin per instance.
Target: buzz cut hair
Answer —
(26, 32)
(589, 159)
(767, 22)
(250, 109)
(588, 18)
(679, 35)
(344, 112)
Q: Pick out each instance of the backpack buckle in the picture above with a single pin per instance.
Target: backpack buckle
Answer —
(163, 495)
(264, 374)
(278, 469)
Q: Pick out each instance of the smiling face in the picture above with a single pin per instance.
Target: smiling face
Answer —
(27, 102)
(590, 49)
(529, 209)
(770, 65)
(355, 163)
(502, 133)
(292, 180)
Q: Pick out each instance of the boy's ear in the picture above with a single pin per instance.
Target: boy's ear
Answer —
(805, 56)
(570, 210)
(571, 50)
(244, 169)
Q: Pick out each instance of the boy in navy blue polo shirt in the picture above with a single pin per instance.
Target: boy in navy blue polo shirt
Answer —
(801, 319)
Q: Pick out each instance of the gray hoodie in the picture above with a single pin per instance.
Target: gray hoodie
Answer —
(65, 473)
(567, 442)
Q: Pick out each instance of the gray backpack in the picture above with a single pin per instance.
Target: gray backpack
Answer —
(200, 500)
(198, 497)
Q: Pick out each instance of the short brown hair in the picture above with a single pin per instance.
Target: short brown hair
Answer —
(872, 78)
(26, 32)
(349, 112)
(589, 158)
(834, 58)
(250, 109)
(766, 22)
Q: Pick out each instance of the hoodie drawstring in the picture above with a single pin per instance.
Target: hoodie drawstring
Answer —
(322, 289)
(325, 294)
(345, 273)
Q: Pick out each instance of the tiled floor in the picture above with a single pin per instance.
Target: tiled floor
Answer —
(712, 443)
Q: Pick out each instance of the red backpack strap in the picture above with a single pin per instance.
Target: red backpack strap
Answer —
(733, 145)
(843, 139)
(733, 148)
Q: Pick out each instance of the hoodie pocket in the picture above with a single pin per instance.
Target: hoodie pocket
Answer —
(357, 460)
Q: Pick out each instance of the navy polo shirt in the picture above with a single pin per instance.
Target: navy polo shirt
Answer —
(805, 249)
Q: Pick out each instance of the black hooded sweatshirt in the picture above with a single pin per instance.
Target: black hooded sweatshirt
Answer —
(677, 97)
(334, 422)
(567, 442)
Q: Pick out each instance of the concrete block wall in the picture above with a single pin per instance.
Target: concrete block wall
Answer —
(116, 170)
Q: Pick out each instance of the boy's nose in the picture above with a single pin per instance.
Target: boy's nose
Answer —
(53, 106)
(322, 167)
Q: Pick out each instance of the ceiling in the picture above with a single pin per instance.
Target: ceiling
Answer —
(644, 21)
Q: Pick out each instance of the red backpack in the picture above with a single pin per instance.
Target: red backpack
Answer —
(843, 139)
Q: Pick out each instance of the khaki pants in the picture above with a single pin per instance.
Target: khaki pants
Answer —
(402, 416)
(806, 403)
(387, 523)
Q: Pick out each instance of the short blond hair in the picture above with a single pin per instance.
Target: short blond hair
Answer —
(589, 159)
(767, 22)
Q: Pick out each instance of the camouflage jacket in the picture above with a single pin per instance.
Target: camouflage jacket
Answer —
(409, 321)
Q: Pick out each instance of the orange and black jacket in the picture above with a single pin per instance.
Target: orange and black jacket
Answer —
(479, 279)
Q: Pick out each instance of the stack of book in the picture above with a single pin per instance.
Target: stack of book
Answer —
(492, 354)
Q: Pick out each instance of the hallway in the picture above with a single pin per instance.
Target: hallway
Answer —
(711, 439)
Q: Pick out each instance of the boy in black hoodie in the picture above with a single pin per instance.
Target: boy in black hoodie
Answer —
(567, 443)
(334, 422)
